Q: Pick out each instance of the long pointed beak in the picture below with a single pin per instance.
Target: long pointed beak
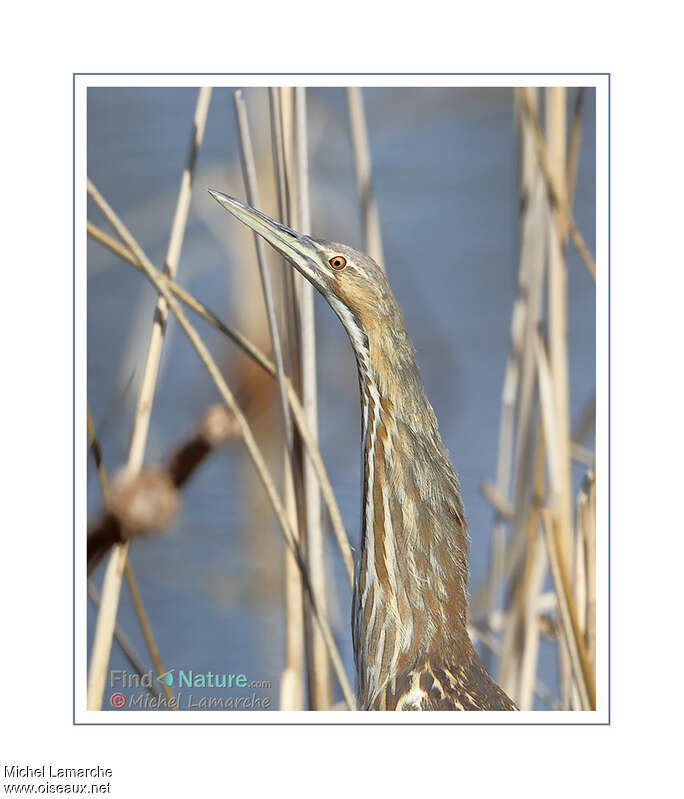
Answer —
(300, 250)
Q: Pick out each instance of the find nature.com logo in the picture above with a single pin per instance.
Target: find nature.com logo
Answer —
(178, 679)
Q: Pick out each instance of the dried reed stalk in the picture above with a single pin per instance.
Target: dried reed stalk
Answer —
(548, 414)
(123, 641)
(578, 587)
(536, 575)
(488, 600)
(289, 204)
(567, 614)
(321, 685)
(497, 494)
(290, 311)
(128, 570)
(529, 656)
(529, 311)
(290, 693)
(531, 374)
(253, 352)
(252, 189)
(147, 630)
(558, 333)
(579, 574)
(111, 588)
(520, 639)
(558, 317)
(106, 621)
(574, 652)
(586, 525)
(245, 430)
(292, 677)
(499, 503)
(370, 220)
(574, 147)
(557, 198)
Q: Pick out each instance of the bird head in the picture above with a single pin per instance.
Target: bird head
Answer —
(351, 282)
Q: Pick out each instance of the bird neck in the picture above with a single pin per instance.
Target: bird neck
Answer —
(411, 591)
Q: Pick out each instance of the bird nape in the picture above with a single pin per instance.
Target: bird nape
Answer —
(411, 644)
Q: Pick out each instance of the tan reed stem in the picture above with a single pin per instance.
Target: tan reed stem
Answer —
(579, 571)
(586, 521)
(567, 661)
(497, 494)
(247, 435)
(557, 198)
(520, 635)
(287, 113)
(488, 598)
(252, 189)
(558, 317)
(557, 324)
(111, 587)
(279, 153)
(548, 413)
(574, 147)
(531, 627)
(292, 677)
(536, 558)
(123, 641)
(287, 213)
(106, 621)
(501, 506)
(290, 687)
(292, 322)
(531, 281)
(252, 351)
(370, 220)
(321, 695)
(144, 410)
(186, 298)
(128, 570)
(578, 586)
(568, 617)
(146, 629)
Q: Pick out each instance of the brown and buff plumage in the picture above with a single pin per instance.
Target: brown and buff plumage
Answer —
(411, 645)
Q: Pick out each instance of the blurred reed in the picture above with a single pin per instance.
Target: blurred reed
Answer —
(247, 436)
(257, 357)
(119, 635)
(106, 618)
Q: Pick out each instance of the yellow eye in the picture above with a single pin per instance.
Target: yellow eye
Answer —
(338, 262)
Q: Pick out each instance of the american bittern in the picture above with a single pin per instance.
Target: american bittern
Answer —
(411, 645)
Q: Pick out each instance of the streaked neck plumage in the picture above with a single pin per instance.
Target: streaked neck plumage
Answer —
(411, 590)
(411, 644)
